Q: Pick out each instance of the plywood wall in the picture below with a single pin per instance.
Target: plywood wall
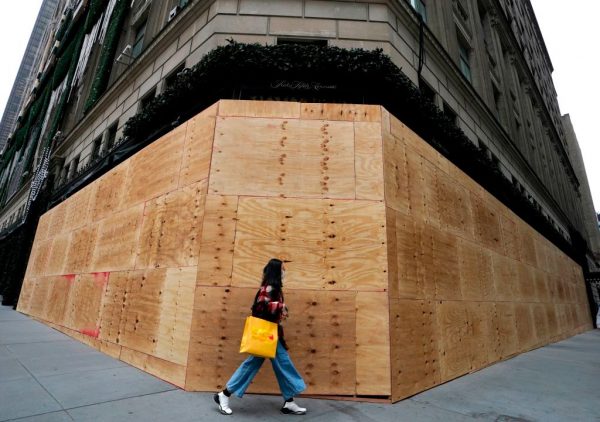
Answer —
(470, 282)
(402, 272)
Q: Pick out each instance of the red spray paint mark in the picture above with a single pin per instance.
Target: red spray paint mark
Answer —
(101, 279)
(91, 332)
(70, 277)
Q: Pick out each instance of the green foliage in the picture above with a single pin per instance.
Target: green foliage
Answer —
(109, 48)
(95, 9)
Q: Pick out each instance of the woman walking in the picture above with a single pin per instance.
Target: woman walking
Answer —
(269, 305)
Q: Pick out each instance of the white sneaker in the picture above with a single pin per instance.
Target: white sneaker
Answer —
(223, 401)
(291, 408)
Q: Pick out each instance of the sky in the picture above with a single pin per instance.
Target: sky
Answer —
(571, 32)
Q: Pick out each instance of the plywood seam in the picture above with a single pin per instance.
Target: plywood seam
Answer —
(137, 243)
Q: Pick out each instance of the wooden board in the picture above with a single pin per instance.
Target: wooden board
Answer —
(155, 169)
(445, 265)
(109, 192)
(329, 244)
(198, 147)
(454, 208)
(526, 333)
(396, 175)
(368, 161)
(77, 212)
(526, 283)
(57, 306)
(505, 278)
(117, 241)
(476, 275)
(414, 338)
(487, 224)
(347, 112)
(454, 343)
(422, 180)
(171, 229)
(85, 303)
(313, 159)
(81, 246)
(165, 370)
(58, 253)
(506, 330)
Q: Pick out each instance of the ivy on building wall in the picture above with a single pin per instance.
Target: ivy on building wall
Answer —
(107, 54)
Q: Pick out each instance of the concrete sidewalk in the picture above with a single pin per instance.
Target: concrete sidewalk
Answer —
(47, 376)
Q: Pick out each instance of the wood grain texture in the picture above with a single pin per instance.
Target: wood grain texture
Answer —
(368, 161)
(396, 175)
(198, 147)
(347, 112)
(313, 159)
(109, 192)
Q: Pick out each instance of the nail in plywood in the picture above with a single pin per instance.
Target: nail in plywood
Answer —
(321, 238)
(215, 259)
(414, 347)
(113, 306)
(109, 192)
(368, 161)
(155, 169)
(288, 157)
(372, 344)
(422, 188)
(476, 276)
(117, 240)
(395, 174)
(198, 148)
(348, 112)
(170, 233)
(454, 346)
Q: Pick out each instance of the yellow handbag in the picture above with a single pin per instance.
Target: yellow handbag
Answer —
(259, 338)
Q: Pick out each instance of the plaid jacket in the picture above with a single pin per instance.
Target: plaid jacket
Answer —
(271, 308)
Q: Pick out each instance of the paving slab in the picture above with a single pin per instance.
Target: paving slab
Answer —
(11, 370)
(61, 416)
(101, 386)
(27, 331)
(24, 397)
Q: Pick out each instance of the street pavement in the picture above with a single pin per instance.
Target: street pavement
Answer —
(47, 376)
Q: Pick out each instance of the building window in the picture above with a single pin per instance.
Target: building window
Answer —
(172, 77)
(420, 8)
(138, 42)
(96, 148)
(147, 99)
(449, 113)
(301, 41)
(111, 134)
(464, 53)
(426, 90)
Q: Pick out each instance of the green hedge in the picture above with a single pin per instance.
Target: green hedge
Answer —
(247, 70)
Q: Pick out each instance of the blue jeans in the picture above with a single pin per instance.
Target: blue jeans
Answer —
(290, 381)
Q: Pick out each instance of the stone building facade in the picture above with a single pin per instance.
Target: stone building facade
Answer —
(483, 62)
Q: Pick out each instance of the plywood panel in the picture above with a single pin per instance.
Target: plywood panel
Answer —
(171, 229)
(322, 239)
(510, 236)
(395, 175)
(348, 112)
(540, 322)
(454, 207)
(487, 224)
(85, 303)
(526, 333)
(454, 346)
(506, 329)
(368, 161)
(526, 283)
(155, 169)
(117, 241)
(422, 188)
(414, 340)
(215, 260)
(80, 249)
(109, 192)
(77, 211)
(505, 277)
(306, 158)
(57, 220)
(541, 286)
(414, 253)
(43, 228)
(446, 268)
(59, 290)
(39, 297)
(476, 276)
(198, 148)
(165, 370)
(58, 253)
(372, 344)
(113, 307)
(480, 342)
(39, 258)
(277, 109)
(527, 246)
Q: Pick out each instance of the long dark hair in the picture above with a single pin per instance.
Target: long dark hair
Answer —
(272, 275)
